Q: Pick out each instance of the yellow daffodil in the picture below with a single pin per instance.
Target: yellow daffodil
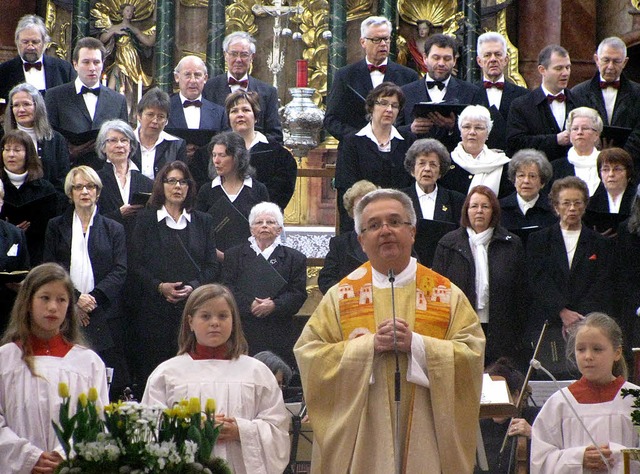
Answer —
(82, 400)
(93, 394)
(210, 406)
(194, 405)
(63, 390)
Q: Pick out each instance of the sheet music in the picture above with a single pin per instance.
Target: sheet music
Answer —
(541, 390)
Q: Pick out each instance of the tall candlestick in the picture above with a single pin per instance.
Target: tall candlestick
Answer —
(139, 88)
(302, 73)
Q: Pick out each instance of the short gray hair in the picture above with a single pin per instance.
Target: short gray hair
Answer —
(32, 21)
(118, 126)
(613, 42)
(385, 193)
(266, 207)
(490, 37)
(586, 112)
(426, 146)
(529, 156)
(237, 37)
(476, 112)
(373, 21)
(191, 57)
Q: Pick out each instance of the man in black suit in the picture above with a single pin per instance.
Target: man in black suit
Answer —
(83, 104)
(613, 95)
(239, 51)
(351, 84)
(32, 65)
(495, 93)
(537, 120)
(438, 85)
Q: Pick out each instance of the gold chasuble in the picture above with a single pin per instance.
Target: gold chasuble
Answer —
(349, 390)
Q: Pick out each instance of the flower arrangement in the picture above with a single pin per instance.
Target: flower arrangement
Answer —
(128, 437)
(635, 414)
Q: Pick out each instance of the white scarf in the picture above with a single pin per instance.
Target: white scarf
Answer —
(80, 269)
(479, 244)
(486, 168)
(16, 179)
(586, 168)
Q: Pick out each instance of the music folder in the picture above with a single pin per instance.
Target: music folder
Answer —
(28, 211)
(423, 109)
(428, 234)
(195, 136)
(616, 136)
(602, 221)
(15, 276)
(231, 226)
(263, 281)
(139, 198)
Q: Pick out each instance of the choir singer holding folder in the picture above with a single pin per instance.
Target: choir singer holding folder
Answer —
(347, 361)
(269, 282)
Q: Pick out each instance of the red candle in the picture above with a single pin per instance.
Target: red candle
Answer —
(302, 73)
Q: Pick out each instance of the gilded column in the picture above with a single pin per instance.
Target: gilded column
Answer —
(338, 42)
(215, 36)
(165, 39)
(80, 27)
(389, 9)
(469, 71)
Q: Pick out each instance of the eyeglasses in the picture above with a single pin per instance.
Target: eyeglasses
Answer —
(426, 164)
(606, 60)
(475, 128)
(80, 187)
(114, 141)
(22, 105)
(615, 169)
(175, 182)
(154, 116)
(386, 39)
(568, 204)
(263, 222)
(582, 129)
(386, 103)
(239, 54)
(391, 223)
(198, 75)
(530, 176)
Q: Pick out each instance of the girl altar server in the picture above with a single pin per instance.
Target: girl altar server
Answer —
(211, 363)
(559, 442)
(42, 348)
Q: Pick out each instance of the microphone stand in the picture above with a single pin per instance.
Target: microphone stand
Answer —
(538, 366)
(398, 457)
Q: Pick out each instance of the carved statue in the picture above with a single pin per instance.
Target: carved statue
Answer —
(125, 39)
(415, 45)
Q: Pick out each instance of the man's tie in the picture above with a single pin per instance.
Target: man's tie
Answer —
(243, 83)
(382, 68)
(88, 90)
(497, 85)
(192, 103)
(560, 98)
(614, 84)
(28, 66)
(432, 84)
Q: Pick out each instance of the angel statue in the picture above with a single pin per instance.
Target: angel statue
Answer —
(127, 40)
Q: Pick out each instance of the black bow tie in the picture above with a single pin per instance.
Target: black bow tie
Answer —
(234, 82)
(29, 66)
(432, 84)
(88, 90)
(192, 103)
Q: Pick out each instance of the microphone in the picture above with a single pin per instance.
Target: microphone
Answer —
(538, 366)
(392, 278)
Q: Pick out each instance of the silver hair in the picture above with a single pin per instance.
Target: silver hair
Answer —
(373, 21)
(237, 37)
(198, 60)
(266, 207)
(32, 21)
(275, 364)
(529, 156)
(476, 112)
(385, 193)
(119, 126)
(586, 112)
(613, 42)
(426, 146)
(489, 37)
(41, 125)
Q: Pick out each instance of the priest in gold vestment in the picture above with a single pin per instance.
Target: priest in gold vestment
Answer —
(347, 363)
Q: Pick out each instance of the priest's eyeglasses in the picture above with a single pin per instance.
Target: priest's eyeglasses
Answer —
(391, 223)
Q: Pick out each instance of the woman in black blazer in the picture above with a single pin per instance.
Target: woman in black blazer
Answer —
(173, 252)
(267, 313)
(28, 113)
(375, 153)
(92, 248)
(116, 143)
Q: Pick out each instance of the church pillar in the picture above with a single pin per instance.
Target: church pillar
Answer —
(469, 71)
(80, 24)
(338, 41)
(165, 39)
(215, 36)
(389, 10)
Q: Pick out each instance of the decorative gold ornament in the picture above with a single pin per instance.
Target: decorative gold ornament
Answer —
(358, 9)
(195, 3)
(512, 71)
(113, 10)
(313, 24)
(239, 17)
(437, 12)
